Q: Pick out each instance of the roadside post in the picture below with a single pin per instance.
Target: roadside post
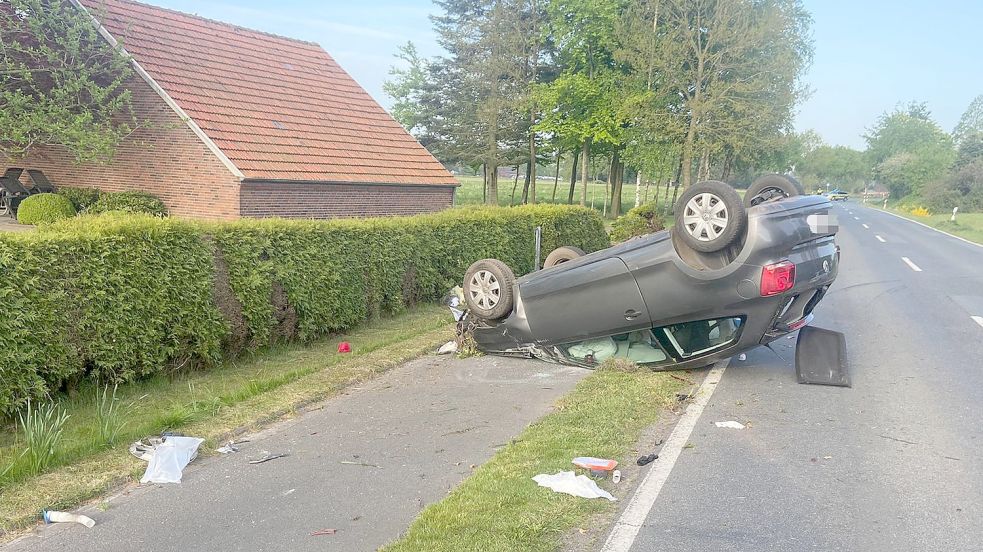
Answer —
(885, 203)
(539, 242)
(953, 217)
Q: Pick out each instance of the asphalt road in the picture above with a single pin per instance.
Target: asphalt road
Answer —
(364, 464)
(893, 463)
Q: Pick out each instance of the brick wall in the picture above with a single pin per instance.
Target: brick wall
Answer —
(316, 200)
(166, 159)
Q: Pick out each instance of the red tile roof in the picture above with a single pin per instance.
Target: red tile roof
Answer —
(278, 108)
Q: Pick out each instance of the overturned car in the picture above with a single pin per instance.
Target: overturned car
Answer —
(730, 275)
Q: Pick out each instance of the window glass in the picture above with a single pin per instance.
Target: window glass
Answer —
(640, 347)
(695, 338)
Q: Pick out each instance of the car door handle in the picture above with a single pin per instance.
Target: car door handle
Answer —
(632, 314)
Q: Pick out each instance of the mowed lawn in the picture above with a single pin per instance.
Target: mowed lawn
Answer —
(471, 193)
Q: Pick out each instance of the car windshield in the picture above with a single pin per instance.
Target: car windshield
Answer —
(695, 338)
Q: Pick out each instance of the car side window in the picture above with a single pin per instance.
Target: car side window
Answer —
(640, 347)
(695, 338)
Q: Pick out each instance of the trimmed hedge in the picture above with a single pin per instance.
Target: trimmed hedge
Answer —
(81, 198)
(118, 296)
(638, 221)
(129, 202)
(44, 208)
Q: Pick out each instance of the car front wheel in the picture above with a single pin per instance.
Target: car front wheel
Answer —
(563, 254)
(488, 289)
(710, 216)
(769, 187)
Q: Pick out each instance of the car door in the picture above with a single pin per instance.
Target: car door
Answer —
(599, 298)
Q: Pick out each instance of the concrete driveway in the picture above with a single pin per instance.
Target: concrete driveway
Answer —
(8, 224)
(364, 463)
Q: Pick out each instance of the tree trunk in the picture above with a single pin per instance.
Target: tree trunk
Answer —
(556, 176)
(573, 176)
(638, 189)
(484, 182)
(616, 184)
(584, 162)
(514, 186)
(531, 172)
(492, 197)
(527, 184)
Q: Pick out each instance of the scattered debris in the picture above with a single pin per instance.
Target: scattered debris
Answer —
(616, 476)
(742, 357)
(591, 463)
(267, 458)
(144, 448)
(170, 458)
(643, 460)
(682, 396)
(447, 348)
(321, 532)
(344, 347)
(363, 464)
(51, 516)
(569, 483)
(827, 457)
(896, 439)
(730, 424)
(681, 378)
(231, 446)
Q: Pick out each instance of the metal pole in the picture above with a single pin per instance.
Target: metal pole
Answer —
(539, 243)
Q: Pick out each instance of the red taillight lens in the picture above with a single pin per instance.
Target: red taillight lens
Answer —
(777, 278)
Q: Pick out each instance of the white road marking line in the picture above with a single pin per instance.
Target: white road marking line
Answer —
(880, 239)
(867, 227)
(930, 227)
(626, 528)
(911, 264)
(978, 319)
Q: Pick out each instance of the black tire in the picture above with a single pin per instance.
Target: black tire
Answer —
(710, 216)
(563, 254)
(770, 187)
(489, 289)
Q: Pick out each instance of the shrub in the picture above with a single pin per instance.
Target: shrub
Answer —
(81, 198)
(638, 221)
(44, 208)
(129, 202)
(119, 296)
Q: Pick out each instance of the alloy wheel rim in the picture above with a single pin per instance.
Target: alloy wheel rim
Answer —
(705, 217)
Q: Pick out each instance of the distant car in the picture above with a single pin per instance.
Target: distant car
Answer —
(731, 275)
(837, 195)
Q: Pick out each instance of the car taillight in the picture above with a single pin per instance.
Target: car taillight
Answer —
(777, 278)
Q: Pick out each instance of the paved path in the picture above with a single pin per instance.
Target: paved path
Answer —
(896, 462)
(424, 425)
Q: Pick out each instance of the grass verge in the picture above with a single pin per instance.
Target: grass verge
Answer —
(499, 507)
(967, 225)
(215, 405)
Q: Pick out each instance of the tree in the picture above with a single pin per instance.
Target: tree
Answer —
(907, 149)
(61, 82)
(408, 88)
(971, 123)
(838, 165)
(734, 66)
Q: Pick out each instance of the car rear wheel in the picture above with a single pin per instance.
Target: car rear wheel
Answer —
(488, 289)
(710, 216)
(769, 187)
(563, 254)
(4, 207)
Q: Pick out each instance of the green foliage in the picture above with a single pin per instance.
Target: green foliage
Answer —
(118, 297)
(962, 188)
(111, 415)
(81, 198)
(44, 208)
(638, 221)
(61, 83)
(42, 428)
(908, 150)
(129, 202)
(838, 166)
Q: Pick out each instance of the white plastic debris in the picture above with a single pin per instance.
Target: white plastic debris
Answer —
(730, 424)
(447, 348)
(742, 357)
(170, 458)
(569, 483)
(51, 516)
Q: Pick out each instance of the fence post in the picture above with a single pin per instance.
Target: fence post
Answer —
(953, 217)
(539, 242)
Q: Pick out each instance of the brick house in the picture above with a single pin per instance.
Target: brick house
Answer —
(249, 124)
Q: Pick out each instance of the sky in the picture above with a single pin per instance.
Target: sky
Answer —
(870, 55)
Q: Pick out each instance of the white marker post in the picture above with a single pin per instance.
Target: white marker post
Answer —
(953, 217)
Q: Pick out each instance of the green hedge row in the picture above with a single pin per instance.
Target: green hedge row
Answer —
(117, 297)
